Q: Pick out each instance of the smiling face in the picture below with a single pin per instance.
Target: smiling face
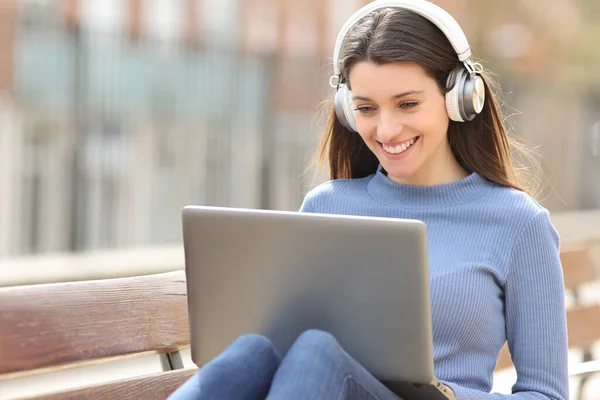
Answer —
(401, 115)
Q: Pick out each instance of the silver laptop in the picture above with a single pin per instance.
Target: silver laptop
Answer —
(363, 279)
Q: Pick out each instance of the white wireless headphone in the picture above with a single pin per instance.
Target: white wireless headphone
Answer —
(465, 99)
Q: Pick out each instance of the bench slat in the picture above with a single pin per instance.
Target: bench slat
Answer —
(583, 323)
(504, 360)
(578, 267)
(148, 387)
(52, 325)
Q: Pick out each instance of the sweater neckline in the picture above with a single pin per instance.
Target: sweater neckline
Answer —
(462, 191)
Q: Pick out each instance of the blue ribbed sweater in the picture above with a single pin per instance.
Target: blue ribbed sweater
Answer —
(495, 276)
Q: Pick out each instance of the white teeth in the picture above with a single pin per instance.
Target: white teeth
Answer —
(399, 148)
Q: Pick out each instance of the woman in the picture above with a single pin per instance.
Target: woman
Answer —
(411, 134)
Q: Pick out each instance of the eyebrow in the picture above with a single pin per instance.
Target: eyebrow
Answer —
(396, 96)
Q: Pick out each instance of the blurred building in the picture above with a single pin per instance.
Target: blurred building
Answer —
(116, 113)
(120, 112)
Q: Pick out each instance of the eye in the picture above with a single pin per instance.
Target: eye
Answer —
(409, 104)
(364, 109)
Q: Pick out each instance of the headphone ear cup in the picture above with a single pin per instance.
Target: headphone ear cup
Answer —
(466, 98)
(454, 96)
(474, 96)
(344, 107)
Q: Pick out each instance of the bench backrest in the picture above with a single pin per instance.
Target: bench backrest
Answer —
(62, 325)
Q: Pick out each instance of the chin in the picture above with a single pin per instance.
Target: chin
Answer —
(400, 173)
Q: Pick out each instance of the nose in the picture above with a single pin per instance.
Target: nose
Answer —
(389, 127)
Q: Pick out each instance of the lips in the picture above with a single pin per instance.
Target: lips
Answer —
(399, 148)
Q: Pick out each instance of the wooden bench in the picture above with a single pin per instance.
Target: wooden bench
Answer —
(56, 326)
(583, 321)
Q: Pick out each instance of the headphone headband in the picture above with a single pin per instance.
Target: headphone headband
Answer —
(440, 17)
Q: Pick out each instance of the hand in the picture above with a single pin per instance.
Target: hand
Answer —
(449, 389)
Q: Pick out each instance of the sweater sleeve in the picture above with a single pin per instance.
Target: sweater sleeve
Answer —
(535, 314)
(307, 204)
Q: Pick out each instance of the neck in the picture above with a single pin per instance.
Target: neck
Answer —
(460, 191)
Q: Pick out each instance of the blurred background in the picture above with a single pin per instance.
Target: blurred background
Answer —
(114, 114)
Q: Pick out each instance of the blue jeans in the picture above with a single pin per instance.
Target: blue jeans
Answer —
(315, 367)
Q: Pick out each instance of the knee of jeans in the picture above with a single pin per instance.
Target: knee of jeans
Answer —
(255, 343)
(315, 338)
(314, 348)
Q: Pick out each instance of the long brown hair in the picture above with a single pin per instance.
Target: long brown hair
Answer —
(397, 35)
